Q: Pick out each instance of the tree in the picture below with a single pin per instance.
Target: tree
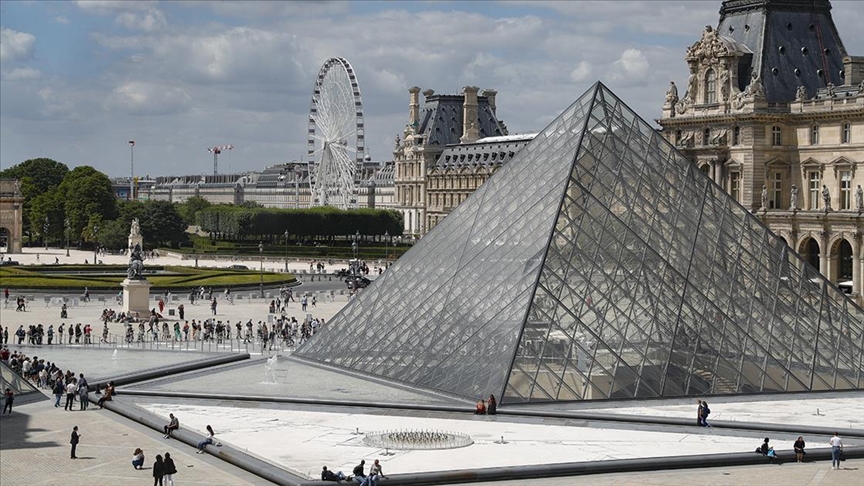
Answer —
(190, 208)
(37, 177)
(88, 193)
(161, 223)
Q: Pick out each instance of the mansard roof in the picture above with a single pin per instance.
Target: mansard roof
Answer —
(441, 119)
(794, 43)
(491, 151)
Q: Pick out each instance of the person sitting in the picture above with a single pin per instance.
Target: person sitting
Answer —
(327, 475)
(173, 425)
(357, 473)
(799, 449)
(107, 396)
(767, 451)
(375, 473)
(138, 458)
(480, 409)
(491, 405)
(207, 440)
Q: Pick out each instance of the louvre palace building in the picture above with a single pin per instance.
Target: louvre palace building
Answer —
(773, 112)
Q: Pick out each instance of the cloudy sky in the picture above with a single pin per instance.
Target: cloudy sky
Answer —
(79, 79)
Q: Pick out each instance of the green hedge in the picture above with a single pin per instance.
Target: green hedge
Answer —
(238, 221)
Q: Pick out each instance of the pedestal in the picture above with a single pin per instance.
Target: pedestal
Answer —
(136, 297)
(135, 240)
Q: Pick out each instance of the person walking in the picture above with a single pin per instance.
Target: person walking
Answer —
(158, 471)
(170, 470)
(58, 390)
(76, 437)
(10, 399)
(836, 451)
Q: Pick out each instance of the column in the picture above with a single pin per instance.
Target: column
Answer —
(823, 257)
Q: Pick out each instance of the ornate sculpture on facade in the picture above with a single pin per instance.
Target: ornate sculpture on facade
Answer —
(830, 90)
(686, 139)
(859, 199)
(801, 94)
(724, 85)
(672, 94)
(135, 230)
(764, 197)
(826, 198)
(136, 264)
(753, 91)
(793, 198)
(398, 141)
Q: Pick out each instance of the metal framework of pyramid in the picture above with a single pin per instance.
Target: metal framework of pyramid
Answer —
(599, 264)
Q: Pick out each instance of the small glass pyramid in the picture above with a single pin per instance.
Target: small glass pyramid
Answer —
(599, 264)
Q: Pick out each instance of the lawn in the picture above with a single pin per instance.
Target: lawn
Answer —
(109, 277)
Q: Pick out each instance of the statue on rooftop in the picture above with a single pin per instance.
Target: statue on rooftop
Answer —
(672, 94)
(801, 94)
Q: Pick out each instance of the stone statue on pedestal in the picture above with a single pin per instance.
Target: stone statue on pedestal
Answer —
(826, 198)
(135, 230)
(859, 199)
(136, 264)
(793, 198)
(764, 197)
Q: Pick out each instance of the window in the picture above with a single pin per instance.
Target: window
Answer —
(735, 185)
(776, 188)
(814, 135)
(846, 135)
(677, 137)
(776, 136)
(710, 87)
(813, 190)
(706, 135)
(845, 190)
(706, 169)
(736, 135)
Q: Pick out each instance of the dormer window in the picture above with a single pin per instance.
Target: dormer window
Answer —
(710, 87)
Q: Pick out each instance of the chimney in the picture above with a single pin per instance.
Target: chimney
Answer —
(428, 93)
(469, 115)
(414, 107)
(853, 70)
(490, 96)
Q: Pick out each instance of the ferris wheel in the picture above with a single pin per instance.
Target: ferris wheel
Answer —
(336, 144)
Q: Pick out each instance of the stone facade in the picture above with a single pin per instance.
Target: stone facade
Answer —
(782, 135)
(430, 130)
(11, 216)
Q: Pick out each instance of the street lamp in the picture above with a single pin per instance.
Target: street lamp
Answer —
(45, 231)
(356, 243)
(386, 245)
(95, 244)
(261, 256)
(67, 236)
(286, 251)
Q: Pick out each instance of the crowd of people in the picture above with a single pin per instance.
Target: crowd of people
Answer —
(47, 375)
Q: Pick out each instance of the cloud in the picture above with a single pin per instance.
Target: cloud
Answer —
(146, 21)
(59, 19)
(16, 46)
(632, 65)
(22, 74)
(104, 7)
(136, 98)
(581, 72)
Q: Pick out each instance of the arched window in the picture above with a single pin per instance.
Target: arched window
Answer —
(710, 87)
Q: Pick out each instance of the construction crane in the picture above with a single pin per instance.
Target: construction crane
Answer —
(216, 151)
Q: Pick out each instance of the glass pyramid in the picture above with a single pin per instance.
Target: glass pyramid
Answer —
(599, 264)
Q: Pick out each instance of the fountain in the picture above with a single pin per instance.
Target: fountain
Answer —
(417, 440)
(270, 370)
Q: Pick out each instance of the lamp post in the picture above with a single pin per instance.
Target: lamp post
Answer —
(66, 223)
(286, 251)
(195, 252)
(132, 170)
(261, 256)
(386, 245)
(356, 245)
(95, 244)
(45, 231)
